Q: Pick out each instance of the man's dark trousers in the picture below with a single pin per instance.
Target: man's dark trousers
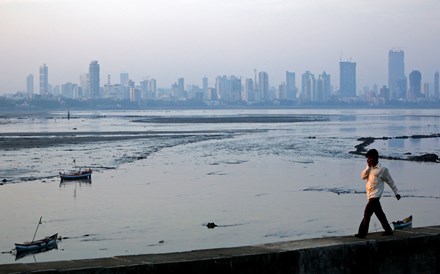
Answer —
(373, 206)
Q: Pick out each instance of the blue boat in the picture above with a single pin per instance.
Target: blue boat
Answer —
(402, 224)
(38, 245)
(77, 175)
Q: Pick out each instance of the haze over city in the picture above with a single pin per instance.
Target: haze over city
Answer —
(169, 39)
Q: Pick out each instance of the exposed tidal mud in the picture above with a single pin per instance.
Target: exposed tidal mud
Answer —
(34, 156)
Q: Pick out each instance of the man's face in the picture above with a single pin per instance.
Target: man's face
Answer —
(372, 161)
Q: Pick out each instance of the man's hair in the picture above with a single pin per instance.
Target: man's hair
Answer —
(372, 153)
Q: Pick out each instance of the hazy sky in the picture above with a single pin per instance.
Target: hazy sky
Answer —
(168, 39)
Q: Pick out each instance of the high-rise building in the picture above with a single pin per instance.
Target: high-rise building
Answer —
(94, 80)
(181, 84)
(205, 84)
(179, 91)
(281, 91)
(396, 74)
(290, 86)
(415, 85)
(308, 86)
(323, 88)
(228, 88)
(84, 84)
(385, 93)
(152, 87)
(347, 79)
(67, 90)
(263, 85)
(248, 90)
(124, 78)
(436, 85)
(30, 85)
(44, 81)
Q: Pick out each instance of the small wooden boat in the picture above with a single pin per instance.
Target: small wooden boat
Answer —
(38, 245)
(402, 224)
(76, 175)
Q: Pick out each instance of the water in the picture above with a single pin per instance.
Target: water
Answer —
(155, 186)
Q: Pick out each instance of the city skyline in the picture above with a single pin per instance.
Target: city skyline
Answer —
(232, 89)
(191, 39)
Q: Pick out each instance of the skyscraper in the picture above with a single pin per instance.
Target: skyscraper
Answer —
(436, 85)
(347, 79)
(84, 84)
(290, 86)
(396, 74)
(180, 91)
(308, 86)
(30, 85)
(152, 87)
(44, 80)
(228, 88)
(415, 85)
(94, 79)
(249, 90)
(263, 85)
(323, 88)
(205, 84)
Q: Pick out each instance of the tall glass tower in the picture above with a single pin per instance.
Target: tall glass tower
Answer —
(44, 80)
(263, 84)
(396, 74)
(30, 85)
(290, 86)
(94, 79)
(437, 85)
(415, 84)
(347, 79)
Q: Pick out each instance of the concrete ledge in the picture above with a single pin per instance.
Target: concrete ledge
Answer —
(409, 251)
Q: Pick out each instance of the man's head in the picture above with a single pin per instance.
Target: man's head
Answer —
(372, 157)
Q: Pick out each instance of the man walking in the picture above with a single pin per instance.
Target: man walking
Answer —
(376, 177)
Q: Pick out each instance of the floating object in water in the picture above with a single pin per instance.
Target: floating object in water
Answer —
(211, 225)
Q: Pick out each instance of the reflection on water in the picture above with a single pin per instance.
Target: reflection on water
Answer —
(396, 143)
(76, 183)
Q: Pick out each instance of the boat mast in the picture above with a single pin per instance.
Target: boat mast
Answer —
(39, 222)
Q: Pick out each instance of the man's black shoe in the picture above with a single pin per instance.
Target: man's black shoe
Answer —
(359, 236)
(387, 233)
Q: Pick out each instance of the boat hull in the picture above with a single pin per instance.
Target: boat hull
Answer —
(402, 226)
(85, 176)
(47, 243)
(405, 223)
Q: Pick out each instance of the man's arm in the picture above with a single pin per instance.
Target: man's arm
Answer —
(365, 173)
(386, 176)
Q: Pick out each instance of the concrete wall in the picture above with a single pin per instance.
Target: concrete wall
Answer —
(409, 251)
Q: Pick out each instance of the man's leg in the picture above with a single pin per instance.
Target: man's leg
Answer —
(382, 218)
(363, 227)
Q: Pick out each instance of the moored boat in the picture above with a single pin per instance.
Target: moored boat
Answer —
(402, 224)
(76, 175)
(38, 245)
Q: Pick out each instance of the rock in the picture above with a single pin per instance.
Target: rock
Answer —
(429, 157)
(211, 225)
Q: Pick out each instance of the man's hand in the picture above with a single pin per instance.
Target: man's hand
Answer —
(398, 196)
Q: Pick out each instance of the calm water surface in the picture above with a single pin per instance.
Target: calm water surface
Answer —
(260, 182)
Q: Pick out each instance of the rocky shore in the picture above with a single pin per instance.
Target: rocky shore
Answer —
(361, 149)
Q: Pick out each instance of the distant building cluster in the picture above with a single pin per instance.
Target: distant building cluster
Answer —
(225, 90)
